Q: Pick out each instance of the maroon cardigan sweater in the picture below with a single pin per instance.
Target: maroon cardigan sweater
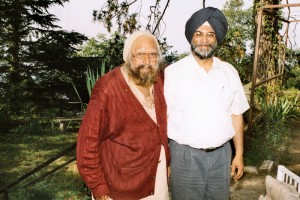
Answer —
(118, 144)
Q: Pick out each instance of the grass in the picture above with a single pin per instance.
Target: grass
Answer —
(20, 153)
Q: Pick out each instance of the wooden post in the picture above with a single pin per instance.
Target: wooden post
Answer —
(5, 194)
(254, 74)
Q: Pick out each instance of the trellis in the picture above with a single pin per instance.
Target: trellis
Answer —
(261, 71)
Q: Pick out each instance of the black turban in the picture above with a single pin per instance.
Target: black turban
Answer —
(213, 16)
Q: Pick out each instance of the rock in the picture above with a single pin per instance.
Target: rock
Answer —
(267, 165)
(250, 169)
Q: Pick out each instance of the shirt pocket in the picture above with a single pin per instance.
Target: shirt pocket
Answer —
(227, 98)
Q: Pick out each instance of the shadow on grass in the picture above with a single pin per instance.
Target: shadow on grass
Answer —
(20, 153)
(64, 184)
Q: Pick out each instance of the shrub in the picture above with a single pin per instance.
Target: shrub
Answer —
(271, 127)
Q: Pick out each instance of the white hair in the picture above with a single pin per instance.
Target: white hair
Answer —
(132, 38)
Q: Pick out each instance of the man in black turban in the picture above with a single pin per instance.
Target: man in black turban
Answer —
(213, 16)
(205, 101)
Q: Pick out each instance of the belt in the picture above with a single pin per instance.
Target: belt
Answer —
(207, 150)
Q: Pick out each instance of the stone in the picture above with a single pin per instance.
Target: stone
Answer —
(267, 165)
(250, 169)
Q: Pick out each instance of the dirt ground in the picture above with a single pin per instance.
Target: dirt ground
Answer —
(252, 185)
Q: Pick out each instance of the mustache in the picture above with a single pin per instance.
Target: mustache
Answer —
(205, 44)
(204, 54)
(141, 78)
(141, 66)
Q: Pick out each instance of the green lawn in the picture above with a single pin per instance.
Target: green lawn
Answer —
(20, 153)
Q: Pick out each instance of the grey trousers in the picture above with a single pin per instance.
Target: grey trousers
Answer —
(199, 175)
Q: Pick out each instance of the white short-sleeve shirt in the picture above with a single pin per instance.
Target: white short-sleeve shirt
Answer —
(200, 104)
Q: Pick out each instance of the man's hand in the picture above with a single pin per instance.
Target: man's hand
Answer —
(169, 173)
(237, 167)
(105, 197)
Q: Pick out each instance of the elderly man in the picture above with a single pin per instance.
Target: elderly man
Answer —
(205, 101)
(122, 149)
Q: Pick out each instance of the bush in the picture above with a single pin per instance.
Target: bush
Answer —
(271, 127)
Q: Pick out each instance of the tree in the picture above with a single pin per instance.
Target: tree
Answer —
(292, 70)
(52, 69)
(119, 13)
(32, 53)
(126, 21)
(237, 47)
(108, 49)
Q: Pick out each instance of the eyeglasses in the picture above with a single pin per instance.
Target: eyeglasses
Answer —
(139, 57)
(200, 35)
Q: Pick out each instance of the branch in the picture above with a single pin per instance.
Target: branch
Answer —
(156, 27)
(131, 3)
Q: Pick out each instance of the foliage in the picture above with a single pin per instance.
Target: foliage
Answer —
(271, 127)
(34, 55)
(173, 57)
(109, 50)
(5, 119)
(293, 95)
(92, 77)
(294, 78)
(238, 39)
(292, 69)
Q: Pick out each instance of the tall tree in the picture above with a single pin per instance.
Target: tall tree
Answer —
(29, 47)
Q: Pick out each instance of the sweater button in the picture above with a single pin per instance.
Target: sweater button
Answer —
(159, 161)
(153, 177)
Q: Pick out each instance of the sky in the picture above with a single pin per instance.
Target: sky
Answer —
(76, 15)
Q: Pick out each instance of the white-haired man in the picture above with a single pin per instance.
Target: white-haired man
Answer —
(122, 149)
